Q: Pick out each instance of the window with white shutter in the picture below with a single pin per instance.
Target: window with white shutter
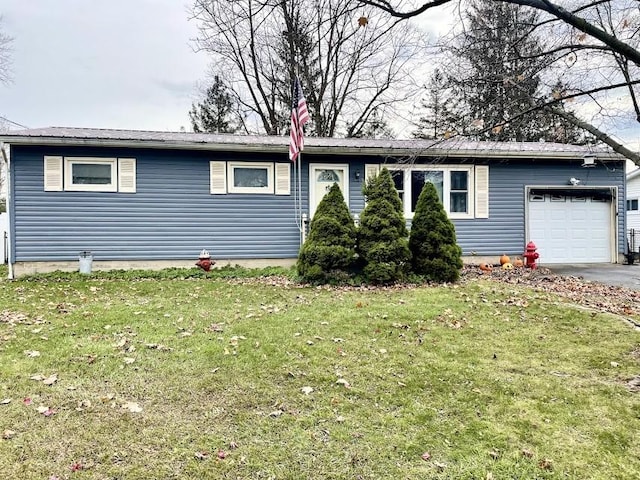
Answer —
(482, 191)
(127, 175)
(283, 178)
(218, 178)
(52, 174)
(370, 171)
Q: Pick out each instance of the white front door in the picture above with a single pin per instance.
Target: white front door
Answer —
(321, 179)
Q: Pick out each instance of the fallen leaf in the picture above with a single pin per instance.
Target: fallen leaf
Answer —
(37, 378)
(5, 401)
(306, 390)
(426, 456)
(128, 360)
(340, 419)
(8, 434)
(342, 381)
(615, 364)
(51, 379)
(76, 466)
(46, 411)
(545, 464)
(222, 454)
(276, 413)
(201, 455)
(27, 401)
(32, 353)
(440, 466)
(133, 407)
(527, 453)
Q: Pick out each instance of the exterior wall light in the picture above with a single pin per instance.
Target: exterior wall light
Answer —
(589, 160)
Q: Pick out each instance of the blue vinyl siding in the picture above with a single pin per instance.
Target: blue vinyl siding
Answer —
(504, 230)
(173, 216)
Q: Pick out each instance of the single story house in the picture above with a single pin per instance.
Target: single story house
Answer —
(140, 199)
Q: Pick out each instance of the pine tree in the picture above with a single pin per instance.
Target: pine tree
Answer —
(432, 241)
(329, 253)
(496, 72)
(382, 236)
(438, 105)
(212, 115)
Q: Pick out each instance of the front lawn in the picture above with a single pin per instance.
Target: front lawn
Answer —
(202, 378)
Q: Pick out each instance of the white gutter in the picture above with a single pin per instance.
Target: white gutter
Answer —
(7, 162)
(281, 145)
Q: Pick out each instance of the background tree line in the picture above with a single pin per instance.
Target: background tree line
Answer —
(510, 70)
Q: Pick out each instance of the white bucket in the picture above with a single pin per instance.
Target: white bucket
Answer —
(86, 261)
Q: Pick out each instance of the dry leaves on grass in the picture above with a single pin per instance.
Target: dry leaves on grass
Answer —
(595, 295)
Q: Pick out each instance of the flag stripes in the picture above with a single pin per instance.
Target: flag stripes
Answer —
(299, 117)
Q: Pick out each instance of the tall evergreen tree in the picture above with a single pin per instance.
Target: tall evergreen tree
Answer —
(434, 249)
(328, 254)
(382, 236)
(496, 70)
(438, 115)
(214, 113)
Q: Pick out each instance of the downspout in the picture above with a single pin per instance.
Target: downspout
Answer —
(7, 162)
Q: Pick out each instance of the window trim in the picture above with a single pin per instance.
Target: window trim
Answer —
(446, 187)
(268, 189)
(73, 187)
(629, 205)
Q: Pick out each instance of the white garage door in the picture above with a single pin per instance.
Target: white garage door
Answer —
(569, 229)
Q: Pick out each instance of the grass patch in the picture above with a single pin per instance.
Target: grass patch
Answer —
(485, 378)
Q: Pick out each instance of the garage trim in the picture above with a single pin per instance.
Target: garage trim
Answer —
(602, 192)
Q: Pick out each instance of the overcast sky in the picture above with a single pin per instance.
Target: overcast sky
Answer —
(110, 64)
(118, 64)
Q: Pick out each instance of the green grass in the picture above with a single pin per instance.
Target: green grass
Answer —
(491, 380)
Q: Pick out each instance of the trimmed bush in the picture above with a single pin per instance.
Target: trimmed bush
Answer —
(328, 254)
(382, 237)
(435, 251)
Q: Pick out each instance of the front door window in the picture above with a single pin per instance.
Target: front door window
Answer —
(323, 177)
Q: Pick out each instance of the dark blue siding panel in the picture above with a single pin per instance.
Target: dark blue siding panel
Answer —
(504, 230)
(172, 215)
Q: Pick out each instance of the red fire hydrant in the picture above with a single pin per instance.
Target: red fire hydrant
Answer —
(204, 261)
(530, 255)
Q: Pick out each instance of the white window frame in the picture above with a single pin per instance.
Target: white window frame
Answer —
(73, 187)
(629, 203)
(446, 187)
(231, 168)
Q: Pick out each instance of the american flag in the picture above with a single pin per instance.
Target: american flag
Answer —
(299, 116)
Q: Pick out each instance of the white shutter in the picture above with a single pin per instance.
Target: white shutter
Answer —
(482, 191)
(127, 175)
(283, 178)
(52, 174)
(218, 178)
(370, 171)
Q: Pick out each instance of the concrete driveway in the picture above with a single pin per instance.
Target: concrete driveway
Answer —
(607, 273)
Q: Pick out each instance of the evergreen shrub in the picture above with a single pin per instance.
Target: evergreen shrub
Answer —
(435, 251)
(382, 236)
(329, 255)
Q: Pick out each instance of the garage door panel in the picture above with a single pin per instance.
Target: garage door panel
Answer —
(571, 231)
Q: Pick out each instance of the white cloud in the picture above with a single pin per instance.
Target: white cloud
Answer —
(116, 64)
